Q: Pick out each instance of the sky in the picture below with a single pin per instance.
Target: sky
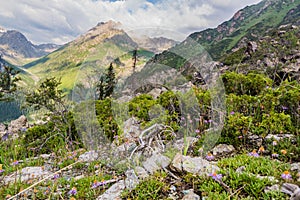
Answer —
(60, 21)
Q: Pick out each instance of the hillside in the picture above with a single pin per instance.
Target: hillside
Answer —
(18, 50)
(104, 44)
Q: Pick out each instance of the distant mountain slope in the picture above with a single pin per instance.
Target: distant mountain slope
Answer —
(105, 43)
(17, 49)
(249, 24)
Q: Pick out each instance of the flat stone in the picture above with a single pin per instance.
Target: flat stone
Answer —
(156, 162)
(191, 196)
(141, 172)
(89, 156)
(223, 149)
(131, 180)
(194, 165)
(289, 188)
(27, 173)
(114, 192)
(295, 167)
(279, 136)
(272, 188)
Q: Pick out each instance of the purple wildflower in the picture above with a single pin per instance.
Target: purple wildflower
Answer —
(15, 162)
(209, 156)
(232, 112)
(197, 131)
(286, 175)
(56, 176)
(274, 143)
(284, 108)
(97, 184)
(73, 191)
(216, 176)
(275, 155)
(1, 171)
(253, 153)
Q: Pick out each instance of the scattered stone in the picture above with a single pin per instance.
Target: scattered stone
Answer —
(156, 162)
(255, 139)
(270, 178)
(196, 165)
(76, 178)
(289, 189)
(156, 92)
(179, 144)
(89, 156)
(131, 129)
(272, 188)
(114, 192)
(141, 172)
(27, 173)
(279, 137)
(190, 195)
(223, 149)
(16, 125)
(241, 169)
(131, 180)
(295, 167)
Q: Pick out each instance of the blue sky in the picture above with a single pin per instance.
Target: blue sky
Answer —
(60, 21)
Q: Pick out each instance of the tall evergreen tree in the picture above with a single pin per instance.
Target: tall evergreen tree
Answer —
(8, 81)
(106, 83)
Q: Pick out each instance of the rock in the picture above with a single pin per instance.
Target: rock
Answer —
(156, 92)
(196, 165)
(295, 167)
(27, 173)
(279, 137)
(241, 169)
(131, 129)
(270, 178)
(2, 130)
(156, 162)
(141, 172)
(255, 139)
(131, 180)
(114, 192)
(179, 144)
(89, 156)
(16, 125)
(295, 195)
(272, 188)
(223, 149)
(289, 188)
(190, 195)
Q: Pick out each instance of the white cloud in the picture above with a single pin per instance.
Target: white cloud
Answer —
(60, 21)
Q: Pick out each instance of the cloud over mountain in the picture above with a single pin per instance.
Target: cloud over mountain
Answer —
(61, 21)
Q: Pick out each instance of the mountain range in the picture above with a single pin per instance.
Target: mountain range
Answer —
(107, 43)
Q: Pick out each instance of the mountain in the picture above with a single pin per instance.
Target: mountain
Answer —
(249, 24)
(103, 44)
(155, 44)
(17, 49)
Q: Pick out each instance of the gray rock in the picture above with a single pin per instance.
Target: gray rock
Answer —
(156, 162)
(295, 167)
(27, 173)
(131, 129)
(272, 188)
(255, 139)
(114, 192)
(191, 195)
(131, 180)
(89, 156)
(296, 195)
(141, 172)
(2, 128)
(279, 137)
(156, 92)
(196, 165)
(16, 125)
(223, 149)
(289, 188)
(241, 169)
(179, 144)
